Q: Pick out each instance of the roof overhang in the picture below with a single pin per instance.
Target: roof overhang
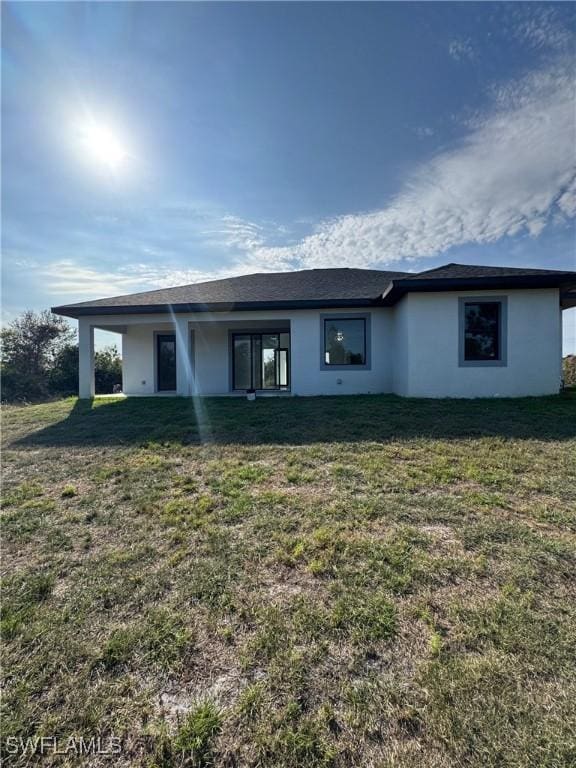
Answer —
(77, 311)
(399, 288)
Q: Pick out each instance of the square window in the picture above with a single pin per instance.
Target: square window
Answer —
(344, 341)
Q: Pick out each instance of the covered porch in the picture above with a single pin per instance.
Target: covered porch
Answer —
(182, 356)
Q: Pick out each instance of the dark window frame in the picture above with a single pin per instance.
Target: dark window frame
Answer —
(502, 360)
(367, 364)
(260, 332)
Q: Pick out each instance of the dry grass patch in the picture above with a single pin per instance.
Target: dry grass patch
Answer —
(288, 583)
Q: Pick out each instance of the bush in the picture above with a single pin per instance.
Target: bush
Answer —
(40, 360)
(64, 373)
(63, 377)
(569, 370)
(30, 345)
(107, 370)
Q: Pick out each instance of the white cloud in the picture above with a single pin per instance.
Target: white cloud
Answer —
(567, 200)
(513, 173)
(461, 49)
(242, 234)
(539, 27)
(63, 278)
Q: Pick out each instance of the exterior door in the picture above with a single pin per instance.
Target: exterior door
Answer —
(261, 361)
(166, 362)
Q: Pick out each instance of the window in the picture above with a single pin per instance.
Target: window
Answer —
(260, 360)
(344, 342)
(166, 362)
(482, 331)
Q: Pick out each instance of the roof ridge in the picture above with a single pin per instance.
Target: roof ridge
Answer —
(484, 270)
(442, 266)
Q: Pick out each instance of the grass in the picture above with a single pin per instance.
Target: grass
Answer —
(297, 582)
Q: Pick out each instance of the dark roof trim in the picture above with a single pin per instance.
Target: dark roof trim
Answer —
(242, 306)
(398, 288)
(568, 299)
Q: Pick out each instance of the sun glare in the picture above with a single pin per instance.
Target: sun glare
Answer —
(101, 145)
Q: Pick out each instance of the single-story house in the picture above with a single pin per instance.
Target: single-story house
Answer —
(454, 331)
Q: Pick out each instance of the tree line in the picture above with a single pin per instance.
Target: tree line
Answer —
(40, 360)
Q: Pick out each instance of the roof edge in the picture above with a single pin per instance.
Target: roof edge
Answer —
(398, 288)
(239, 306)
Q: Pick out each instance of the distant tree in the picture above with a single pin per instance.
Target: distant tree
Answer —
(63, 378)
(30, 344)
(64, 373)
(107, 370)
(40, 360)
(569, 371)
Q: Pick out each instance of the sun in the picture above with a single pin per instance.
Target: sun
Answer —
(101, 145)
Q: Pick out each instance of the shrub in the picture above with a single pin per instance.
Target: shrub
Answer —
(30, 343)
(40, 360)
(569, 370)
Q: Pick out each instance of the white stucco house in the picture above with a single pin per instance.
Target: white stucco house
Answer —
(454, 331)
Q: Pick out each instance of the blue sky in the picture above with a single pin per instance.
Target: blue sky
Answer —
(274, 136)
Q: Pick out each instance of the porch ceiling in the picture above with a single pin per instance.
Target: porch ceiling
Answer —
(112, 328)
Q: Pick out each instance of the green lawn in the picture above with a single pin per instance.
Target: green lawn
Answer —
(353, 581)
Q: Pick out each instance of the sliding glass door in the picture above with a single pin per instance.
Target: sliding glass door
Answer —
(261, 361)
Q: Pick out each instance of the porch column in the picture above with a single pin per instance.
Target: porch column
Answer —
(85, 359)
(183, 361)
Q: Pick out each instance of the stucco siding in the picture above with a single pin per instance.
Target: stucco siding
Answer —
(533, 347)
(400, 373)
(210, 352)
(309, 379)
(414, 349)
(138, 358)
(211, 359)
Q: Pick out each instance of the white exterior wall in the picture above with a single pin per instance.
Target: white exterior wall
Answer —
(427, 329)
(86, 386)
(414, 349)
(400, 346)
(139, 358)
(211, 354)
(211, 359)
(305, 340)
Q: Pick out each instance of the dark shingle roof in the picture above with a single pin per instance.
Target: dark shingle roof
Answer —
(463, 277)
(337, 287)
(466, 271)
(341, 285)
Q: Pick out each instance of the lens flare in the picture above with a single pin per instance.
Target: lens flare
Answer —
(100, 144)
